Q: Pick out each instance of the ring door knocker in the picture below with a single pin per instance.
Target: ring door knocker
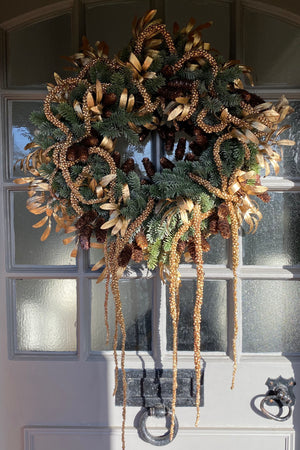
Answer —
(280, 394)
(158, 411)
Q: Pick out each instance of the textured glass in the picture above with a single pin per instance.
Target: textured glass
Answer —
(277, 239)
(218, 251)
(46, 312)
(290, 164)
(271, 315)
(272, 48)
(203, 11)
(136, 152)
(35, 52)
(27, 247)
(214, 317)
(136, 297)
(118, 16)
(22, 132)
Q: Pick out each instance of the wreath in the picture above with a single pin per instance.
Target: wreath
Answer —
(223, 138)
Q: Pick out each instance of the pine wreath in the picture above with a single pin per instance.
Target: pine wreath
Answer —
(217, 139)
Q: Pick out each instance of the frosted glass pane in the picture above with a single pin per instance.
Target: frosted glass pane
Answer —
(27, 247)
(22, 132)
(46, 314)
(290, 164)
(203, 11)
(136, 296)
(214, 317)
(102, 21)
(277, 239)
(271, 315)
(35, 52)
(272, 48)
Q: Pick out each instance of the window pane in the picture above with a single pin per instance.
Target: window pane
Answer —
(290, 164)
(118, 17)
(203, 11)
(214, 317)
(271, 47)
(27, 247)
(277, 239)
(21, 133)
(35, 52)
(46, 313)
(271, 314)
(136, 297)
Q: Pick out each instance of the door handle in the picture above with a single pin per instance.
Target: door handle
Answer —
(280, 395)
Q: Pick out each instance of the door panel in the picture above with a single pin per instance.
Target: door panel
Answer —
(56, 371)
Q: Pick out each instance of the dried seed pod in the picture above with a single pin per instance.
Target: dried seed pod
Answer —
(213, 226)
(166, 163)
(224, 228)
(116, 156)
(128, 165)
(167, 71)
(149, 167)
(169, 143)
(99, 233)
(223, 211)
(265, 197)
(180, 149)
(141, 240)
(125, 255)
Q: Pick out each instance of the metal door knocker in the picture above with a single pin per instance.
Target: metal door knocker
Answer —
(280, 394)
(157, 411)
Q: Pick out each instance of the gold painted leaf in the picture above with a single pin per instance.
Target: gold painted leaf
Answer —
(98, 264)
(90, 100)
(135, 62)
(107, 179)
(40, 223)
(99, 191)
(24, 180)
(130, 103)
(74, 253)
(125, 193)
(109, 206)
(109, 223)
(124, 226)
(117, 227)
(102, 276)
(93, 184)
(176, 112)
(46, 233)
(67, 241)
(251, 136)
(99, 92)
(123, 98)
(288, 142)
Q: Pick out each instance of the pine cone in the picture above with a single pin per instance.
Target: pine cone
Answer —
(204, 244)
(100, 234)
(223, 211)
(200, 138)
(166, 163)
(85, 236)
(109, 99)
(180, 150)
(141, 240)
(190, 157)
(107, 113)
(169, 143)
(224, 228)
(137, 253)
(125, 256)
(196, 149)
(143, 134)
(86, 219)
(72, 152)
(144, 181)
(90, 141)
(83, 153)
(167, 71)
(181, 246)
(265, 197)
(192, 250)
(128, 165)
(213, 226)
(116, 156)
(149, 167)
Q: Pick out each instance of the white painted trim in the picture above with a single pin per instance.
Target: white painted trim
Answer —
(38, 15)
(30, 433)
(271, 10)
